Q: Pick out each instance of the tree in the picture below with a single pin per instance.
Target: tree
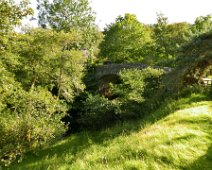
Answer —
(65, 14)
(45, 61)
(160, 35)
(71, 16)
(167, 40)
(41, 72)
(39, 79)
(124, 40)
(12, 13)
(202, 24)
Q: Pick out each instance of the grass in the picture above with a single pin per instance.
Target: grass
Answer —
(176, 136)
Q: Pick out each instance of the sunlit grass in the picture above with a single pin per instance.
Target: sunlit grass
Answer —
(177, 136)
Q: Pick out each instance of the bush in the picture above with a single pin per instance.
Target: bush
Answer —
(27, 120)
(136, 88)
(97, 112)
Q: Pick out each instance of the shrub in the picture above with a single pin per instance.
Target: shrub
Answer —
(136, 87)
(27, 120)
(97, 112)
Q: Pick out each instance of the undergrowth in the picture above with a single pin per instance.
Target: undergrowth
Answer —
(178, 135)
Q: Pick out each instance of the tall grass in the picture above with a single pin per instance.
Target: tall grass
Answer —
(178, 135)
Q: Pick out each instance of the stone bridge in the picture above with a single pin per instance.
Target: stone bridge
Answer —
(114, 69)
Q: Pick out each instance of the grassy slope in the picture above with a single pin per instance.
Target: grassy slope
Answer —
(177, 136)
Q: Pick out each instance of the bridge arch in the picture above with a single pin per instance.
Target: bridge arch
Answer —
(108, 73)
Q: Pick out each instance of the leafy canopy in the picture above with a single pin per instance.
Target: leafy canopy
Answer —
(124, 40)
(12, 13)
(71, 16)
(167, 40)
(65, 14)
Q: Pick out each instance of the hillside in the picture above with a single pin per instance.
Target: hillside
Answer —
(178, 135)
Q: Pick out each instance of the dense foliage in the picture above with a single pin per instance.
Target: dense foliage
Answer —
(128, 40)
(11, 14)
(41, 73)
(28, 120)
(168, 38)
(95, 111)
(136, 88)
(47, 77)
(177, 135)
(39, 77)
(193, 64)
(125, 40)
(71, 15)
